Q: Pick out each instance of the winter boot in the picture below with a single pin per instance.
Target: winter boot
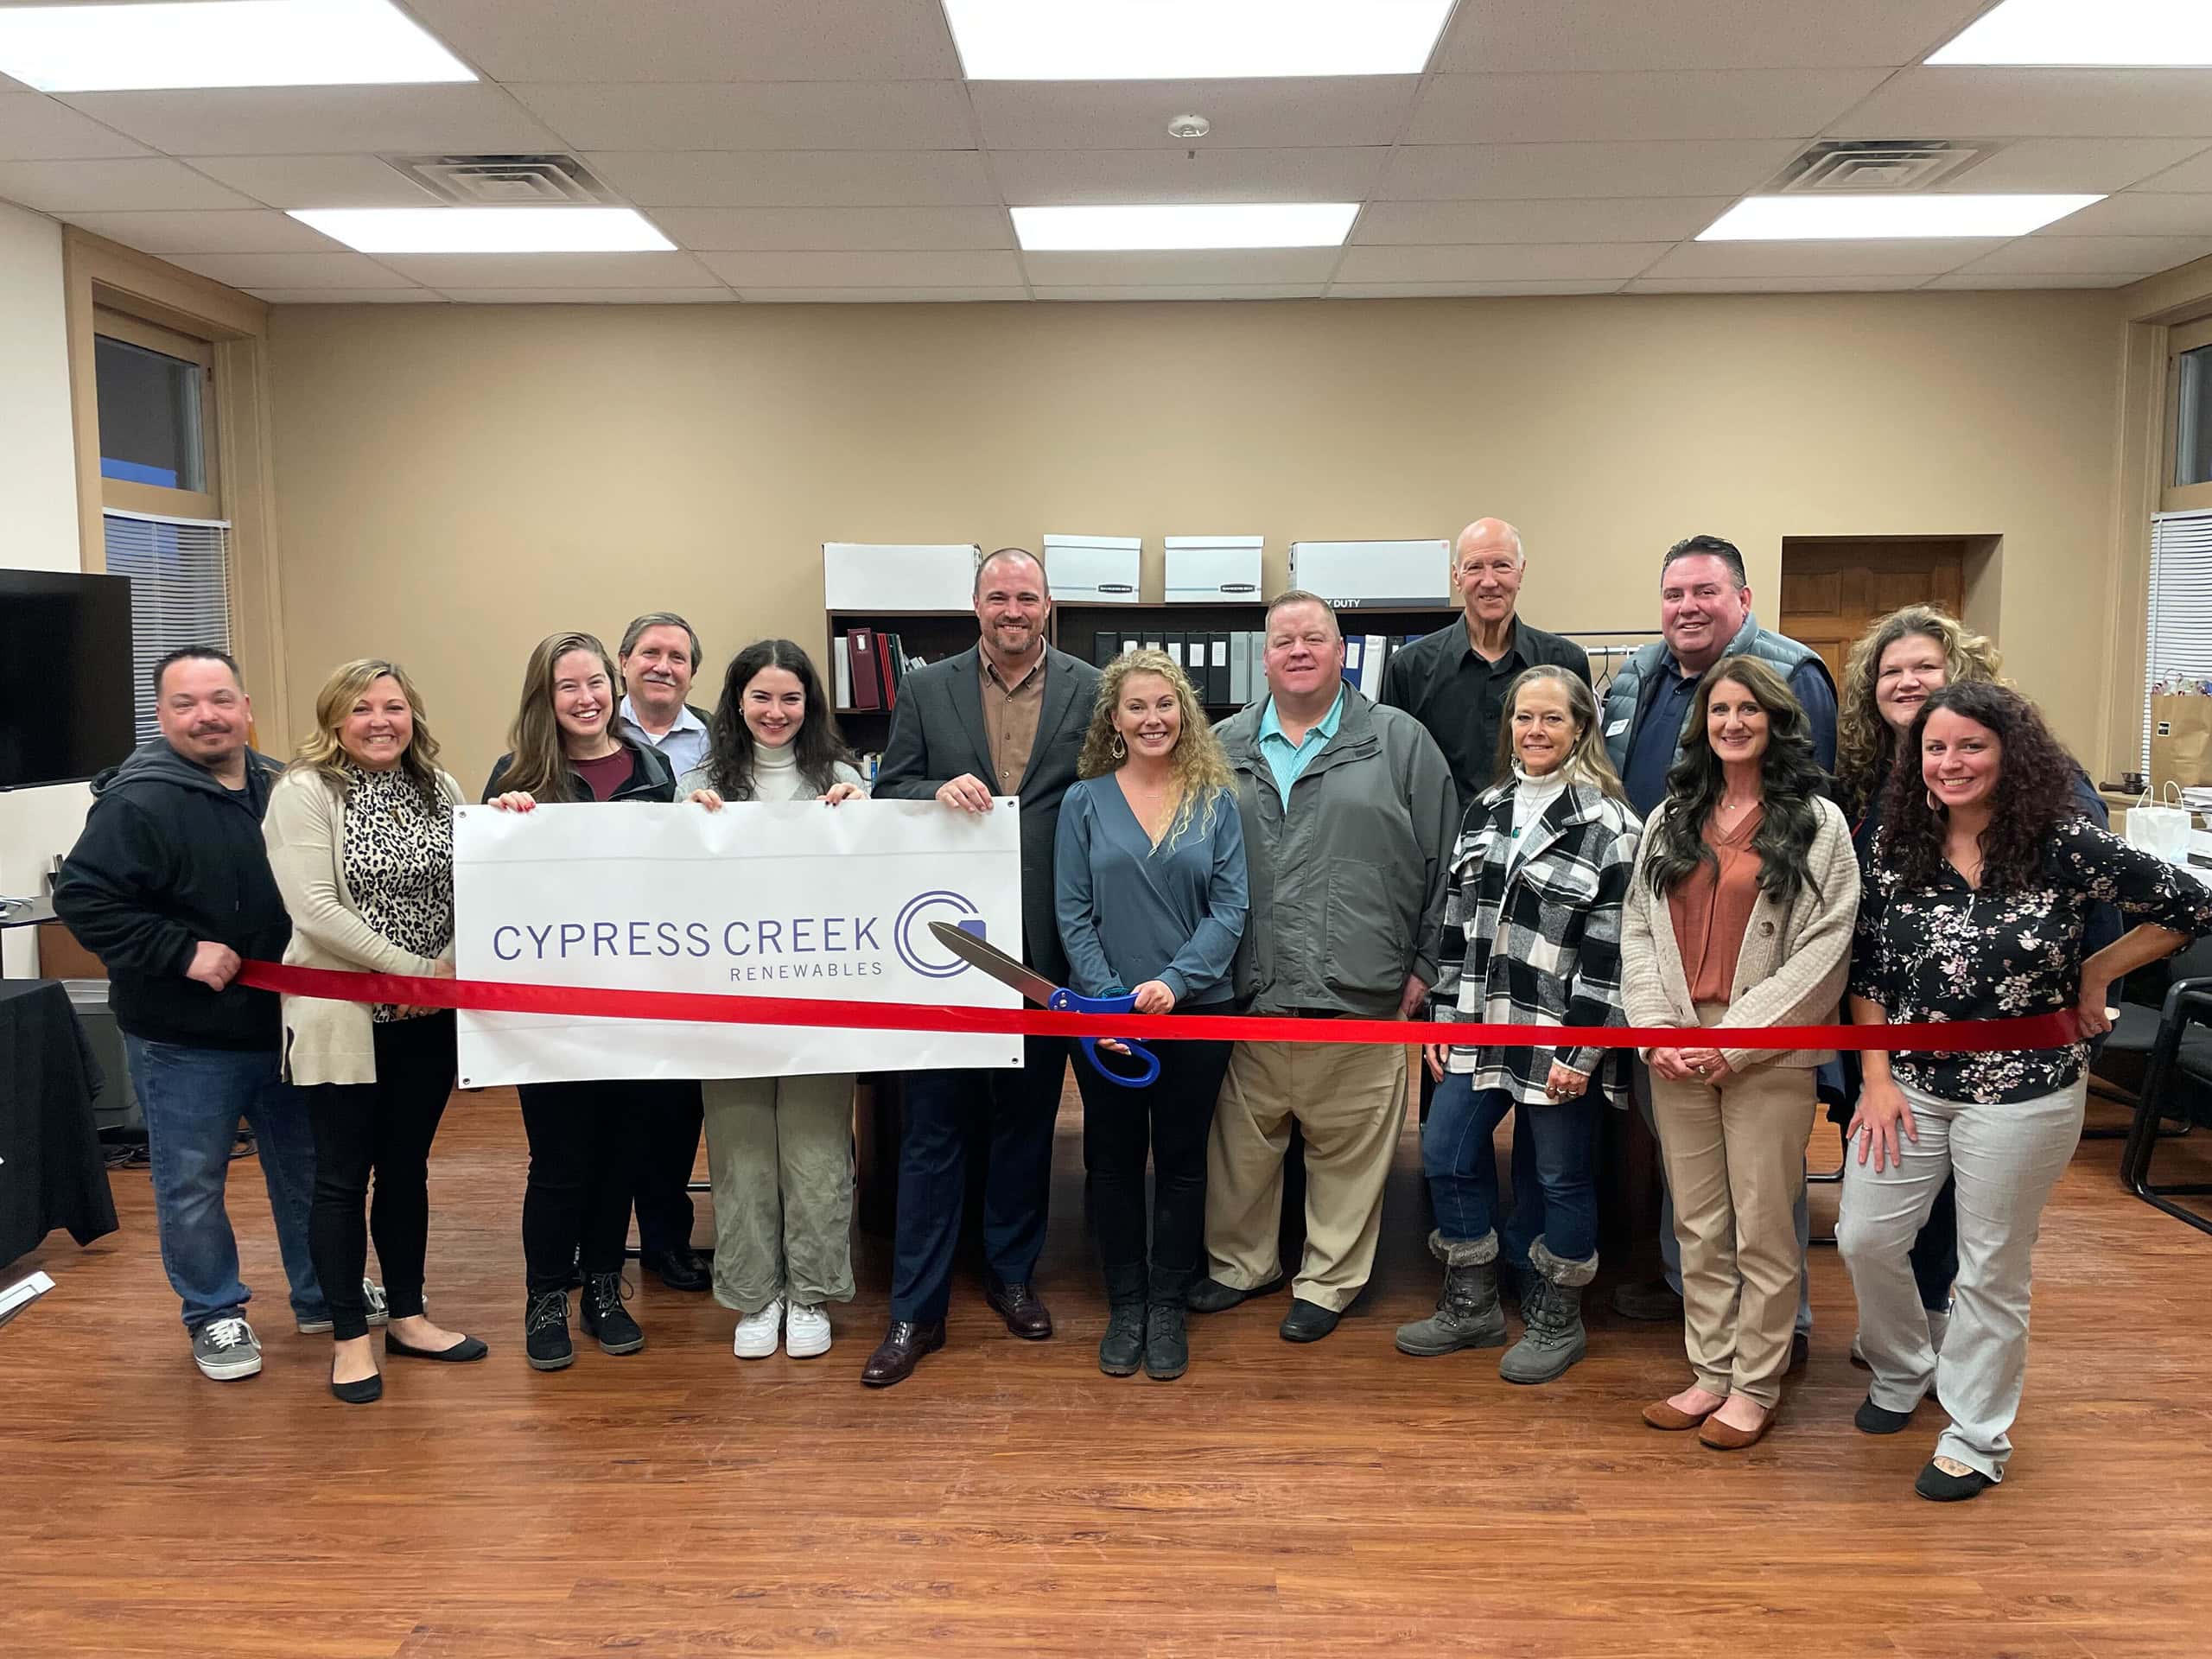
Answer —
(1555, 1339)
(1122, 1349)
(1468, 1314)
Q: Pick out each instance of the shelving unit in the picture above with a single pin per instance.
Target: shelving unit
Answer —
(931, 635)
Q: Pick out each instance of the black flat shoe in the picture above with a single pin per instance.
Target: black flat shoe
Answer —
(1211, 1296)
(1308, 1321)
(683, 1268)
(1871, 1419)
(466, 1349)
(361, 1393)
(1939, 1486)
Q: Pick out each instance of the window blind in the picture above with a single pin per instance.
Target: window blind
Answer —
(2180, 639)
(179, 591)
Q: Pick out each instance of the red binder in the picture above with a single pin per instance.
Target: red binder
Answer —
(867, 677)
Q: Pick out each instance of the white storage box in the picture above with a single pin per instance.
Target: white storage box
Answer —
(1373, 574)
(899, 576)
(1213, 570)
(1094, 569)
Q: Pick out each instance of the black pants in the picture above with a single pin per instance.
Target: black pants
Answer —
(1171, 1119)
(665, 1142)
(383, 1128)
(577, 1201)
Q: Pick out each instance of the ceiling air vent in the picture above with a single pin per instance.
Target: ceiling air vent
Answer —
(505, 180)
(1863, 165)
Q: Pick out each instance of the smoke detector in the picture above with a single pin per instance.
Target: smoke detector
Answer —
(1189, 126)
(545, 181)
(1878, 164)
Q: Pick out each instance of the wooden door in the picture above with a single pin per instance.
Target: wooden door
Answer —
(1832, 592)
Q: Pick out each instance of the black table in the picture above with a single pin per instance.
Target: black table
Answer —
(51, 1171)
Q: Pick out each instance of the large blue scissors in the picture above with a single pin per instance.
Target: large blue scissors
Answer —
(1040, 990)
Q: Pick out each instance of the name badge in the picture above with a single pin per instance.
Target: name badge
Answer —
(1616, 728)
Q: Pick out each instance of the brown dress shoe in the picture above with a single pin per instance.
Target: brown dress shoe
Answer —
(1660, 1415)
(1726, 1437)
(1025, 1316)
(900, 1351)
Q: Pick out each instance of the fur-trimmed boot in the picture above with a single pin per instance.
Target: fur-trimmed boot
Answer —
(1555, 1339)
(1468, 1314)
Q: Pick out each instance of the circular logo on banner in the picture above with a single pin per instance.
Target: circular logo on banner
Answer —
(918, 947)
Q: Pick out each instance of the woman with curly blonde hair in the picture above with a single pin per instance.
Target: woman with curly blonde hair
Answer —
(1892, 670)
(1151, 897)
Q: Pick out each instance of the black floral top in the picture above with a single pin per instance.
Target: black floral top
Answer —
(1945, 951)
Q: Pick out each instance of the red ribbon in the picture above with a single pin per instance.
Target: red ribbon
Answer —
(726, 1008)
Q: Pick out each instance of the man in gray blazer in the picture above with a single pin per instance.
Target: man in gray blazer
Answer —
(1007, 718)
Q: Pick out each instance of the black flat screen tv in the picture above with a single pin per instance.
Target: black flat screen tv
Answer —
(66, 706)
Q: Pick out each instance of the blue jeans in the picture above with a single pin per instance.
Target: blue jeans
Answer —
(1554, 1186)
(193, 1099)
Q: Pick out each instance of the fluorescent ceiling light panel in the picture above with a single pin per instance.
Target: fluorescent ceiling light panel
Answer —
(1192, 39)
(1184, 226)
(2127, 34)
(1872, 218)
(100, 48)
(487, 230)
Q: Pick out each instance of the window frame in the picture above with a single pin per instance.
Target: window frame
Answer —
(124, 495)
(2182, 338)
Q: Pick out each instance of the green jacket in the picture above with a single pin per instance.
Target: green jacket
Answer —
(1348, 880)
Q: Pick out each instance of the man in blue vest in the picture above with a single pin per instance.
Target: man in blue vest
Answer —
(1705, 613)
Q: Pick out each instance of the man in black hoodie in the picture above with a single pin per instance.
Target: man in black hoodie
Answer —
(170, 886)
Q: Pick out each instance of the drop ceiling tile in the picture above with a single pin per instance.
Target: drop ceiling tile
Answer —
(754, 115)
(446, 271)
(225, 230)
(1183, 268)
(2139, 212)
(35, 128)
(1320, 111)
(316, 181)
(1537, 35)
(410, 294)
(1643, 107)
(473, 119)
(152, 184)
(1036, 178)
(796, 178)
(2136, 255)
(1659, 219)
(590, 295)
(984, 268)
(1961, 102)
(2071, 165)
(773, 229)
(1773, 284)
(696, 40)
(292, 270)
(2191, 176)
(1896, 256)
(1171, 291)
(1466, 290)
(1501, 262)
(878, 296)
(1685, 168)
(1989, 279)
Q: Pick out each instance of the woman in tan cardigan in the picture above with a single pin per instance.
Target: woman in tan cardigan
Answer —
(359, 832)
(1739, 914)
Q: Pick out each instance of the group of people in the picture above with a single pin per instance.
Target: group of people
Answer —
(1725, 844)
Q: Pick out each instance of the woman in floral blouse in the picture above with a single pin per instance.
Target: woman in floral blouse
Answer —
(1979, 885)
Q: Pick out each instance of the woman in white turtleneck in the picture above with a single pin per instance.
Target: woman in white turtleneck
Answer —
(1532, 929)
(778, 1150)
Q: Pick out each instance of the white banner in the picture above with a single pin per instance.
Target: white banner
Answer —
(795, 900)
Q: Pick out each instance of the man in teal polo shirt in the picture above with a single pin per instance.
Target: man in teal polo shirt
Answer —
(1349, 810)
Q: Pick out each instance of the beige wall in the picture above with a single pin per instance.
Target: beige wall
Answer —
(454, 482)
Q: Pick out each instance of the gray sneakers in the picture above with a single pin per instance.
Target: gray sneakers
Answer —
(1468, 1314)
(372, 1295)
(226, 1349)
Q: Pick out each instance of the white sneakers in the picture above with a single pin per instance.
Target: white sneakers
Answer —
(806, 1332)
(804, 1328)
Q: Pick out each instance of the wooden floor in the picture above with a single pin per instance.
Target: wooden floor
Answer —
(1336, 1499)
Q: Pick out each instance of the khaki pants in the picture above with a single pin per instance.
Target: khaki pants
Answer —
(1735, 1159)
(1349, 1100)
(779, 1152)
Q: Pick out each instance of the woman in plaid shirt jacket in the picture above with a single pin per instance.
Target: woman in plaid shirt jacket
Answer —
(1531, 936)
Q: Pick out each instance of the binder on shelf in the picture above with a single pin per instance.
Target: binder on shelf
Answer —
(1210, 570)
(1129, 642)
(899, 576)
(1217, 668)
(1173, 644)
(1378, 575)
(1093, 570)
(1354, 654)
(891, 658)
(1374, 652)
(841, 668)
(1155, 639)
(1105, 646)
(868, 675)
(1240, 668)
